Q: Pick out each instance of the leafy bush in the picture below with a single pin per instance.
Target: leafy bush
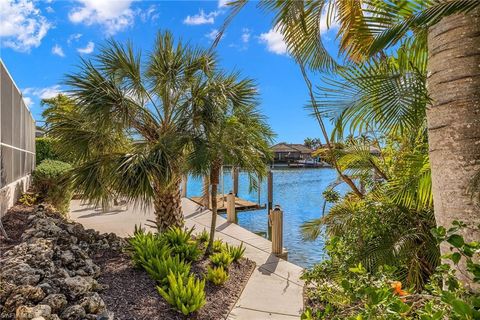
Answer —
(28, 199)
(218, 246)
(222, 259)
(177, 236)
(51, 180)
(186, 296)
(145, 246)
(359, 294)
(45, 149)
(160, 268)
(235, 252)
(217, 275)
(181, 243)
(203, 237)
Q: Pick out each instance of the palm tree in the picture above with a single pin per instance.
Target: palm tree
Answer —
(366, 29)
(234, 133)
(144, 111)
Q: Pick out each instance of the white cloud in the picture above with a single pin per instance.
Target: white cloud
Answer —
(28, 101)
(212, 35)
(88, 49)
(57, 50)
(74, 37)
(113, 16)
(201, 18)
(223, 3)
(274, 41)
(40, 93)
(22, 26)
(149, 14)
(245, 35)
(49, 9)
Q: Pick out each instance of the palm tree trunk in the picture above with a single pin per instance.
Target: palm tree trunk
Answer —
(454, 122)
(214, 180)
(168, 207)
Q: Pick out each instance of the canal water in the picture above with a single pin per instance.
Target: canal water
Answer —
(298, 192)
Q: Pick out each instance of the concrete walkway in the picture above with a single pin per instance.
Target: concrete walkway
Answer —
(274, 291)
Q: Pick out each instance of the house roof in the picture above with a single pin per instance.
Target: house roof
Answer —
(287, 147)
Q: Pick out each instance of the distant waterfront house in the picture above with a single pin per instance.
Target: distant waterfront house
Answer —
(286, 152)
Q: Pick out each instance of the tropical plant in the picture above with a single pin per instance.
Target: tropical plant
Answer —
(235, 252)
(186, 296)
(218, 246)
(145, 246)
(203, 237)
(28, 199)
(132, 121)
(221, 259)
(367, 32)
(52, 181)
(217, 275)
(159, 268)
(234, 133)
(181, 243)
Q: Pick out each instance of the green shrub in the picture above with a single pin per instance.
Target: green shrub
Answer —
(45, 149)
(28, 199)
(181, 243)
(186, 296)
(159, 268)
(145, 246)
(235, 252)
(203, 237)
(175, 236)
(218, 246)
(51, 180)
(222, 259)
(217, 275)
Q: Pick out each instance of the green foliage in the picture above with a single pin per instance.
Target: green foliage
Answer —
(218, 246)
(45, 149)
(217, 275)
(145, 246)
(52, 181)
(181, 243)
(160, 268)
(187, 296)
(203, 237)
(356, 293)
(221, 259)
(236, 253)
(28, 199)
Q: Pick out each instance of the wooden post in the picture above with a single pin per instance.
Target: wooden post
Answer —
(269, 200)
(184, 186)
(235, 180)
(231, 214)
(276, 218)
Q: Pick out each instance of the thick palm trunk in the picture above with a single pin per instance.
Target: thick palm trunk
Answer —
(214, 180)
(454, 121)
(168, 207)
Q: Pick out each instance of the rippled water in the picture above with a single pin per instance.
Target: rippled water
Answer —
(298, 192)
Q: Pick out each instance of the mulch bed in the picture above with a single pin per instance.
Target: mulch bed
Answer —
(15, 223)
(132, 295)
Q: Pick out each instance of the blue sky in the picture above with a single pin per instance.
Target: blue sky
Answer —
(43, 40)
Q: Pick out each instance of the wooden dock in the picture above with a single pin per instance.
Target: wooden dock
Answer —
(240, 204)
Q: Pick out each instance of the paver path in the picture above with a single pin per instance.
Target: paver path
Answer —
(274, 291)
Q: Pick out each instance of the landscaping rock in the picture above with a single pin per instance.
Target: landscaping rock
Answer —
(75, 312)
(50, 275)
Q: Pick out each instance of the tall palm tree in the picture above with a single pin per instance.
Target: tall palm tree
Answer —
(234, 133)
(448, 31)
(149, 104)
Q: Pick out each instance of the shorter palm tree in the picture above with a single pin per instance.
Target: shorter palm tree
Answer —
(234, 133)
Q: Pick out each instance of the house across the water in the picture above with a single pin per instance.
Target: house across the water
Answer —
(291, 152)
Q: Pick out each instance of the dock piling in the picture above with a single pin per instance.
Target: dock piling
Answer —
(235, 171)
(269, 200)
(276, 221)
(231, 214)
